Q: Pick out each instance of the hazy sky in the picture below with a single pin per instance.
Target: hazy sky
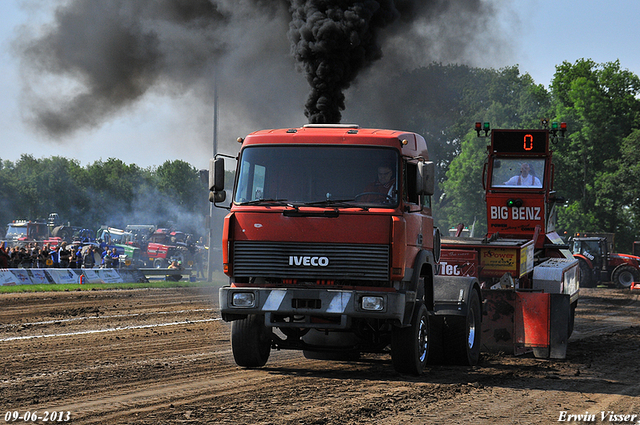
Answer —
(168, 123)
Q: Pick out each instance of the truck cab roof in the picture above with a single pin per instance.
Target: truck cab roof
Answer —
(411, 144)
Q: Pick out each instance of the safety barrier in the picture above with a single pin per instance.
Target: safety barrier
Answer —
(39, 276)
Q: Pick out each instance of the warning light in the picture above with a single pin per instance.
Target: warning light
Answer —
(485, 126)
(556, 126)
(514, 203)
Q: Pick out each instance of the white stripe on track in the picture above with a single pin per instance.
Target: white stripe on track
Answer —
(124, 328)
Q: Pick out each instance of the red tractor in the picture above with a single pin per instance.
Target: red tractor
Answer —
(598, 264)
(166, 245)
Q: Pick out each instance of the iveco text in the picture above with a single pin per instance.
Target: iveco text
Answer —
(294, 260)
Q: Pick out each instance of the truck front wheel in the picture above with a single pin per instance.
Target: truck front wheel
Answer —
(250, 341)
(624, 276)
(462, 334)
(410, 345)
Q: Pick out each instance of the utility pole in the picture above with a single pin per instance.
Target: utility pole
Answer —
(210, 258)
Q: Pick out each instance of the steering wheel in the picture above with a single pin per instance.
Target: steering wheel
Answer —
(382, 196)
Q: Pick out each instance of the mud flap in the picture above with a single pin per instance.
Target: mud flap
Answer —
(521, 322)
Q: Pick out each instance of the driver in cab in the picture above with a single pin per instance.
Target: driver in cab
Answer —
(527, 177)
(383, 189)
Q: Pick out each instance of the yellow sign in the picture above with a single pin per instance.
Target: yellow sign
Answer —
(526, 259)
(498, 261)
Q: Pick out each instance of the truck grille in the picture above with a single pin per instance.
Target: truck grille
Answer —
(310, 261)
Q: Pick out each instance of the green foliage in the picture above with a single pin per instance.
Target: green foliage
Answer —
(601, 106)
(180, 182)
(463, 195)
(103, 193)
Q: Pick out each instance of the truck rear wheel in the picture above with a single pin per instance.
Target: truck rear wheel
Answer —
(586, 276)
(410, 345)
(462, 335)
(624, 276)
(250, 341)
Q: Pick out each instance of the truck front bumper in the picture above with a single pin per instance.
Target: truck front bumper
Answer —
(312, 308)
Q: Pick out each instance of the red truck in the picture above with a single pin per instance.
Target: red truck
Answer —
(530, 279)
(330, 248)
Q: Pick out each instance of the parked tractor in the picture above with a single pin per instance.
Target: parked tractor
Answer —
(599, 265)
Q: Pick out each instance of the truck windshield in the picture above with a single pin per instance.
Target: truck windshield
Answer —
(16, 232)
(526, 172)
(318, 176)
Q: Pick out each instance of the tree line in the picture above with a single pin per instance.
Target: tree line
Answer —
(104, 193)
(597, 164)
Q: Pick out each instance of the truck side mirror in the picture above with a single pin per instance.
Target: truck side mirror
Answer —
(426, 178)
(217, 185)
(216, 180)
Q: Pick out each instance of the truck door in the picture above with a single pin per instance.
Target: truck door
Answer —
(417, 209)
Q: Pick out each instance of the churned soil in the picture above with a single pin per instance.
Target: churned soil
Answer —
(162, 356)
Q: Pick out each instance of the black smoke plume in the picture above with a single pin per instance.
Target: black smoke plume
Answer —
(107, 55)
(333, 41)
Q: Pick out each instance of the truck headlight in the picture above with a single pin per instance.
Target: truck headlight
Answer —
(243, 299)
(372, 303)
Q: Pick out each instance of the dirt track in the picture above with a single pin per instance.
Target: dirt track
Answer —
(163, 356)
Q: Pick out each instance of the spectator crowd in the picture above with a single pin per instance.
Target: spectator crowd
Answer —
(64, 255)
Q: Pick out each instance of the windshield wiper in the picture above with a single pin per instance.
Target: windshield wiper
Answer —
(267, 202)
(345, 203)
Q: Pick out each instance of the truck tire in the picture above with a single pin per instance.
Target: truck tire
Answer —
(624, 276)
(410, 345)
(159, 263)
(462, 335)
(586, 275)
(250, 341)
(436, 340)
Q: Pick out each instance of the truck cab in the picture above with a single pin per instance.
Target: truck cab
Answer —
(330, 248)
(26, 231)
